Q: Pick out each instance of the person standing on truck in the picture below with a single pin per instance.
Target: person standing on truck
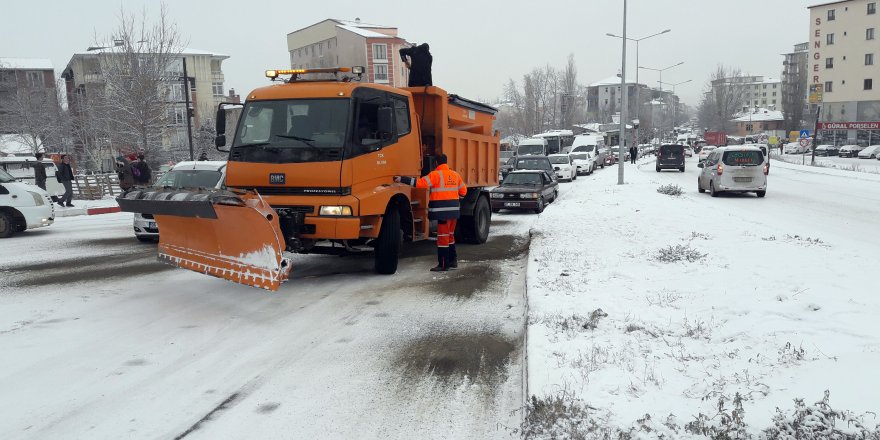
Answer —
(419, 64)
(64, 176)
(445, 187)
(40, 172)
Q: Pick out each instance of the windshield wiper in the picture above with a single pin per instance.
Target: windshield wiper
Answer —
(307, 141)
(255, 144)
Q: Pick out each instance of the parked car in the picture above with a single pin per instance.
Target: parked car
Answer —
(23, 206)
(597, 152)
(509, 166)
(524, 189)
(872, 152)
(584, 162)
(850, 150)
(188, 175)
(563, 167)
(21, 168)
(704, 152)
(615, 151)
(734, 169)
(503, 157)
(827, 150)
(670, 156)
(535, 163)
(795, 148)
(688, 152)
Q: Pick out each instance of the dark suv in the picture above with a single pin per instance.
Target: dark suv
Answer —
(670, 157)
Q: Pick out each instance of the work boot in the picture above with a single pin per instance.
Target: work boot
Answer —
(69, 205)
(61, 204)
(453, 257)
(442, 260)
(439, 268)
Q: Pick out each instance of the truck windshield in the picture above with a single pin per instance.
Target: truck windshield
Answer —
(530, 149)
(6, 177)
(294, 130)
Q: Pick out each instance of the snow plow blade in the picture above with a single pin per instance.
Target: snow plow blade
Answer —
(234, 236)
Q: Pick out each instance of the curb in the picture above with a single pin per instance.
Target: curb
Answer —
(73, 212)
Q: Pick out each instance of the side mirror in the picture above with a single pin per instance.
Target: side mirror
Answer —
(384, 118)
(700, 165)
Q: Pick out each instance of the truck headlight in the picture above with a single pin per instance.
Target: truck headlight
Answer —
(335, 210)
(496, 195)
(38, 199)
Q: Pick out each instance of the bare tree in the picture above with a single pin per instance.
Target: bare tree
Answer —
(141, 68)
(723, 100)
(32, 114)
(568, 106)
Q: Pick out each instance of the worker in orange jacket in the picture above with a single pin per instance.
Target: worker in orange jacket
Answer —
(445, 187)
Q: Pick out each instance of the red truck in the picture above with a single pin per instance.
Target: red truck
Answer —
(716, 138)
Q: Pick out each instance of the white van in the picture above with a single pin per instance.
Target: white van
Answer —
(21, 167)
(22, 206)
(734, 169)
(532, 147)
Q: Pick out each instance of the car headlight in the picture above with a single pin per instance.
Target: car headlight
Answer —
(496, 195)
(38, 199)
(528, 196)
(335, 210)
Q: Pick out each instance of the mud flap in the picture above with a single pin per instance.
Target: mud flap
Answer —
(227, 235)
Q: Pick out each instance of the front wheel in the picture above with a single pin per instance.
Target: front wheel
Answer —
(7, 225)
(761, 193)
(700, 187)
(574, 177)
(388, 243)
(540, 207)
(681, 169)
(657, 168)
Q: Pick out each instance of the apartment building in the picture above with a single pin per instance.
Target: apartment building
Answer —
(844, 48)
(342, 43)
(756, 90)
(17, 74)
(795, 78)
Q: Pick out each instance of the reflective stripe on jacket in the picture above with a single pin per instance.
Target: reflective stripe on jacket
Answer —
(444, 188)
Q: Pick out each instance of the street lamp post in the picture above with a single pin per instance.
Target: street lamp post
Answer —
(622, 137)
(638, 85)
(661, 78)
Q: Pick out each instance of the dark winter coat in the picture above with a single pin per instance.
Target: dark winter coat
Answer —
(126, 178)
(142, 173)
(64, 173)
(40, 174)
(420, 64)
(633, 152)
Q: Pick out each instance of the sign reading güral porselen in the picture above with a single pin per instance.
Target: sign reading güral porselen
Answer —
(849, 125)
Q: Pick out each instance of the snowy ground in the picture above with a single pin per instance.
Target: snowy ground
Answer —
(101, 341)
(779, 303)
(842, 163)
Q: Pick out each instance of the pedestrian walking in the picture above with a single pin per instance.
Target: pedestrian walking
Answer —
(633, 152)
(40, 171)
(445, 187)
(64, 176)
(141, 171)
(124, 171)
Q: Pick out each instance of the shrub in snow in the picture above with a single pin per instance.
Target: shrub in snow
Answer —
(670, 190)
(819, 421)
(678, 252)
(727, 423)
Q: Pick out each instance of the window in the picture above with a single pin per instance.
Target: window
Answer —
(35, 79)
(828, 86)
(774, 93)
(401, 115)
(869, 59)
(774, 102)
(829, 63)
(829, 39)
(217, 87)
(872, 8)
(380, 72)
(764, 94)
(831, 15)
(869, 84)
(869, 34)
(380, 52)
(177, 115)
(774, 86)
(763, 86)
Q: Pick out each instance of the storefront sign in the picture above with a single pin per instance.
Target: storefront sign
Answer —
(849, 126)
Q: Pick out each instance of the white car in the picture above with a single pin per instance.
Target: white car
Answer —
(704, 152)
(795, 148)
(563, 167)
(734, 169)
(585, 163)
(688, 152)
(23, 206)
(872, 152)
(191, 175)
(21, 167)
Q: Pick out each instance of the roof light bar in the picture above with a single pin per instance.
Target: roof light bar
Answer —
(275, 73)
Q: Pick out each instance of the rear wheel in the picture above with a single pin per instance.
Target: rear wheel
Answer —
(574, 177)
(712, 189)
(475, 229)
(681, 169)
(7, 225)
(388, 243)
(700, 187)
(761, 193)
(657, 168)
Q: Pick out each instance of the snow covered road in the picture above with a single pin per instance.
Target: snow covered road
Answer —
(101, 341)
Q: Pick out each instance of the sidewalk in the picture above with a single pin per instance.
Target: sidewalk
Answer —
(87, 207)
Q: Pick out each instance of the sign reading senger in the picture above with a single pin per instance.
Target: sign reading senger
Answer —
(849, 126)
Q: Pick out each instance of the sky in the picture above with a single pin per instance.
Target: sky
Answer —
(477, 45)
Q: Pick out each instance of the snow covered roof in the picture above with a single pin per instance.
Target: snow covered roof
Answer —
(760, 115)
(184, 51)
(12, 144)
(361, 24)
(26, 63)
(555, 133)
(592, 126)
(366, 33)
(610, 81)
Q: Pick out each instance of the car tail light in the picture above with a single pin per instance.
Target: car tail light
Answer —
(720, 169)
(766, 169)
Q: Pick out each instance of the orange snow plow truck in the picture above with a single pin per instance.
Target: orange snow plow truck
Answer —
(310, 170)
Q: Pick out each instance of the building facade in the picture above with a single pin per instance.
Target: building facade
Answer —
(794, 85)
(36, 76)
(759, 121)
(341, 43)
(843, 57)
(756, 91)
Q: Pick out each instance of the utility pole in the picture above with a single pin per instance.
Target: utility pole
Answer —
(623, 91)
(189, 111)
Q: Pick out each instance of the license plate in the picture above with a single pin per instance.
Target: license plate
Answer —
(742, 179)
(151, 225)
(511, 204)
